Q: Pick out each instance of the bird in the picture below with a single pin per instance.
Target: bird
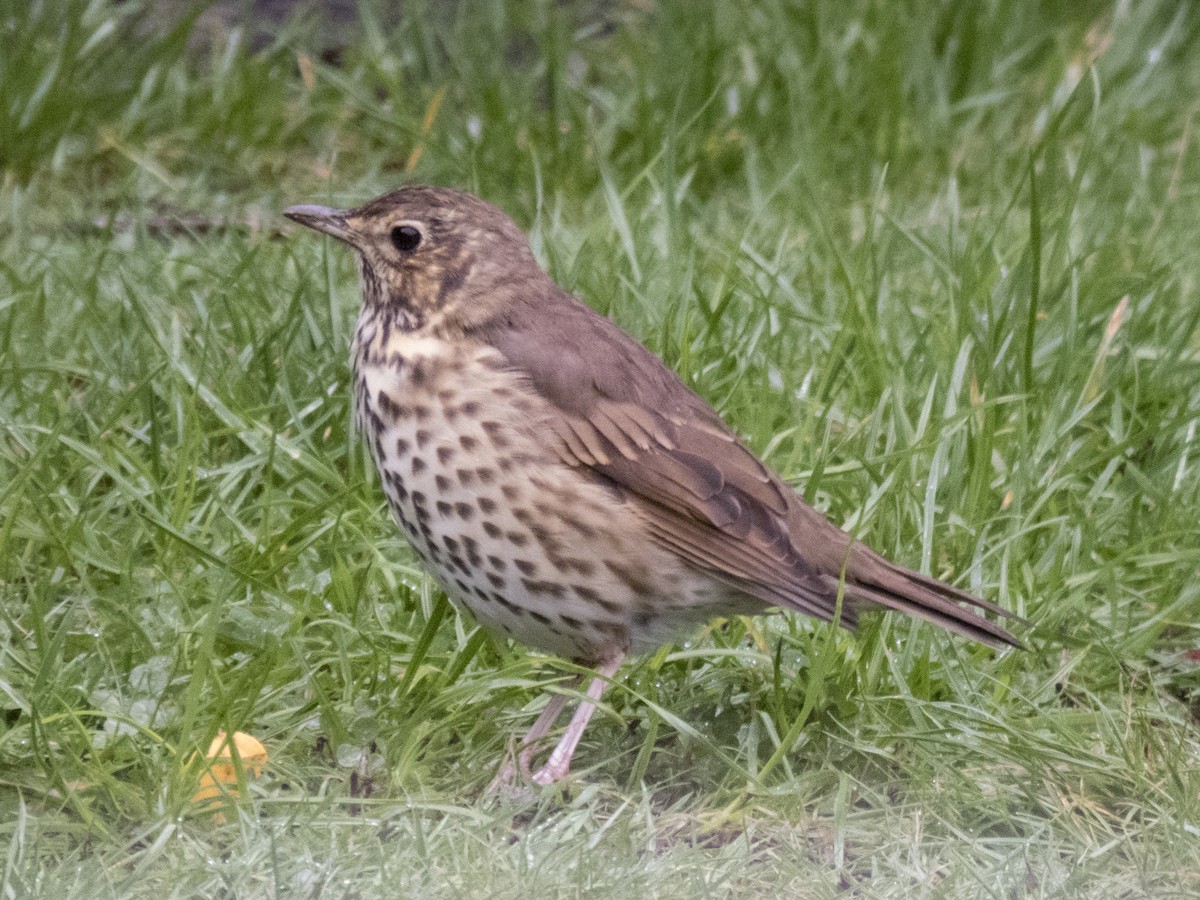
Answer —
(558, 480)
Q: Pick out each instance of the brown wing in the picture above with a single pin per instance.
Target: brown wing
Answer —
(623, 414)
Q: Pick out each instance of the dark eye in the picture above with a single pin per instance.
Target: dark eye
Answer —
(405, 238)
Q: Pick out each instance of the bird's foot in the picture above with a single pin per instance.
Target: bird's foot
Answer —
(550, 774)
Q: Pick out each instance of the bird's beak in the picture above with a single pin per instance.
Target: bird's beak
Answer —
(322, 218)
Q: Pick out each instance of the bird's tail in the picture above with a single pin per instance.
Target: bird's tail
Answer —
(875, 581)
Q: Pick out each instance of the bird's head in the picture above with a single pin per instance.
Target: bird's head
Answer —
(434, 257)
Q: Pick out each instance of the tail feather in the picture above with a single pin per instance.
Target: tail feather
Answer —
(880, 582)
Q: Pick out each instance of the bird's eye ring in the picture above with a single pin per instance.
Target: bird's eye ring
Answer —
(405, 238)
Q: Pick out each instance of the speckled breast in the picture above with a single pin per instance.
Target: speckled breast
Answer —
(516, 537)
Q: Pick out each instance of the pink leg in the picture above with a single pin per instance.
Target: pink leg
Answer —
(559, 763)
(529, 743)
(543, 724)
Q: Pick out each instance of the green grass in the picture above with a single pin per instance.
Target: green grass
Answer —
(938, 262)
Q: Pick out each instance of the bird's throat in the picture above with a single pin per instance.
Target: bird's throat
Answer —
(389, 304)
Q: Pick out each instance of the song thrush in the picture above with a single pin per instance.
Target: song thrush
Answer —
(556, 478)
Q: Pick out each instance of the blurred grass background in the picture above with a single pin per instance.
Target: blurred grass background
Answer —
(937, 261)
